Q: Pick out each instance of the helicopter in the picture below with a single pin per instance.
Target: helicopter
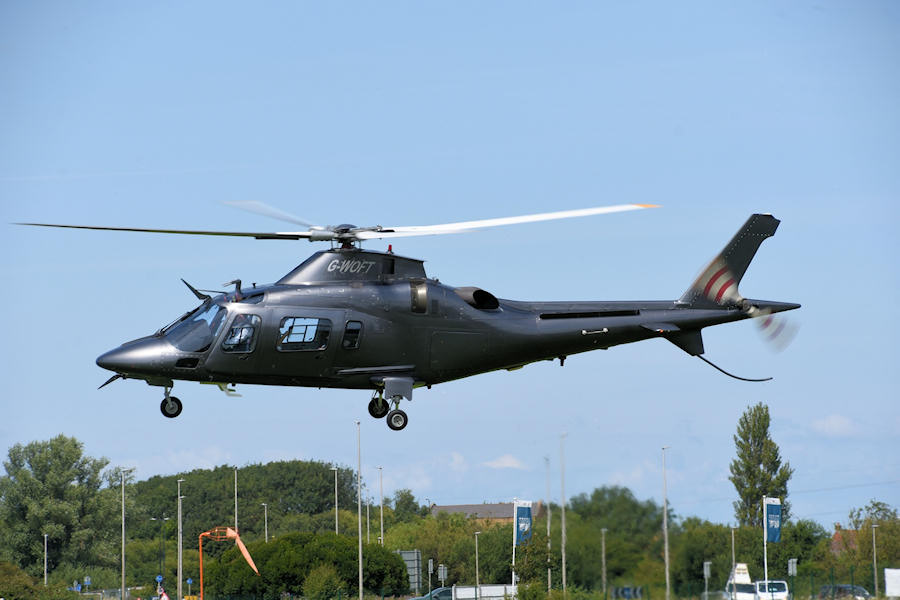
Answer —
(354, 318)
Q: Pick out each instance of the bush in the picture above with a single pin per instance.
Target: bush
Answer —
(323, 583)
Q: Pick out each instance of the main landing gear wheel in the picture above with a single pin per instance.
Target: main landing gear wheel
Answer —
(378, 407)
(171, 407)
(397, 419)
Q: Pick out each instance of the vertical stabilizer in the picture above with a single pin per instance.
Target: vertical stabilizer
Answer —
(718, 283)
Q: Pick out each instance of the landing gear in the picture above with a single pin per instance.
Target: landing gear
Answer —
(170, 406)
(393, 391)
(378, 406)
(397, 419)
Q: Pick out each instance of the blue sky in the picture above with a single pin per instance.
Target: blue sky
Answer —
(417, 113)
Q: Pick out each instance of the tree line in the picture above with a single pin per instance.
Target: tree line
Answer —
(51, 487)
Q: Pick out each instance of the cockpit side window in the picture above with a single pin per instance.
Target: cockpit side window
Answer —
(303, 333)
(242, 335)
(197, 331)
(352, 333)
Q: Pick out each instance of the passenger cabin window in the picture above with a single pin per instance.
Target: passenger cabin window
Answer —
(352, 332)
(419, 297)
(242, 335)
(303, 333)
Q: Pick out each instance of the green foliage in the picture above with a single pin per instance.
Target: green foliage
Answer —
(406, 508)
(16, 584)
(286, 563)
(757, 469)
(323, 583)
(52, 488)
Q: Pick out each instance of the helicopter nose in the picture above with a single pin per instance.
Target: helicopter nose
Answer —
(134, 357)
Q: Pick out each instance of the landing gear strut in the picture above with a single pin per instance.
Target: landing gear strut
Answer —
(395, 389)
(170, 406)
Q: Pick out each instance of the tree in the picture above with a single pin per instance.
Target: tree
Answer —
(757, 470)
(52, 488)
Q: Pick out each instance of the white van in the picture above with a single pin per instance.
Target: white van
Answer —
(775, 590)
(740, 586)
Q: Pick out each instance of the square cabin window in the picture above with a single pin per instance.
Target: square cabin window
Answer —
(303, 333)
(242, 335)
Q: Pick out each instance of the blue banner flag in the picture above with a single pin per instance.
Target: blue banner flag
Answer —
(773, 520)
(523, 522)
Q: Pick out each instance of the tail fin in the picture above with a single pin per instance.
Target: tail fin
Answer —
(718, 284)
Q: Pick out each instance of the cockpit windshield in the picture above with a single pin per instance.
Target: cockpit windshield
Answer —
(197, 330)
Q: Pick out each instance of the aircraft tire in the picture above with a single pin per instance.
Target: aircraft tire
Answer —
(167, 405)
(397, 419)
(378, 409)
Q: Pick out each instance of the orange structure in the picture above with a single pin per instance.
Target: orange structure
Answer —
(220, 534)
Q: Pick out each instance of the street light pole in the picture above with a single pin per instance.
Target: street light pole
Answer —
(162, 546)
(335, 500)
(562, 471)
(477, 579)
(45, 560)
(123, 472)
(381, 502)
(235, 501)
(266, 520)
(178, 587)
(603, 557)
(549, 580)
(874, 559)
(666, 522)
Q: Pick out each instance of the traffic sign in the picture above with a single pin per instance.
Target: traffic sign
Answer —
(190, 581)
(159, 579)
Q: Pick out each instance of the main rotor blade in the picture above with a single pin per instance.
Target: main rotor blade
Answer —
(463, 226)
(264, 209)
(287, 235)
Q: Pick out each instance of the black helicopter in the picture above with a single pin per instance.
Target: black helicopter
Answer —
(361, 319)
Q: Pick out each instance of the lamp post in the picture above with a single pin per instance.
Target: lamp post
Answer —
(603, 557)
(45, 560)
(665, 521)
(123, 472)
(266, 520)
(477, 579)
(549, 580)
(874, 559)
(381, 503)
(235, 501)
(178, 586)
(562, 517)
(335, 499)
(162, 546)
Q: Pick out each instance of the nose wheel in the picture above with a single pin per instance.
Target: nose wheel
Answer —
(170, 406)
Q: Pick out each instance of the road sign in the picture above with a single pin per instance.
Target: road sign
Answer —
(792, 566)
(159, 579)
(430, 566)
(190, 581)
(87, 580)
(442, 573)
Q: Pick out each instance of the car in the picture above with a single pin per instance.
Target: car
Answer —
(843, 591)
(740, 591)
(775, 590)
(441, 593)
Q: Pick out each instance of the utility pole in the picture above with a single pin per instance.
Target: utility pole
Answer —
(666, 523)
(235, 501)
(180, 576)
(562, 485)
(266, 520)
(45, 560)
